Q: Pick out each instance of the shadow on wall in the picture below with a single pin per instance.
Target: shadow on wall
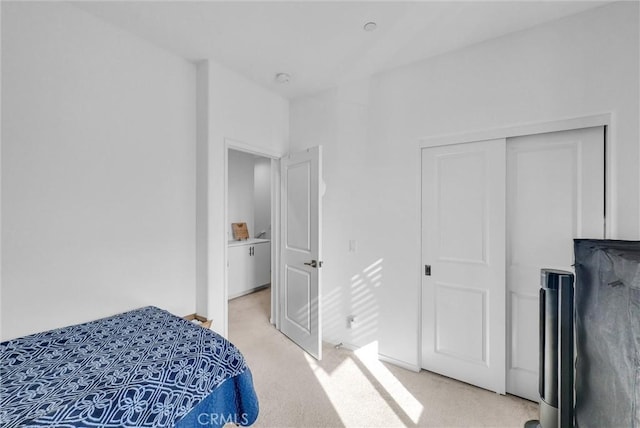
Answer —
(364, 308)
(351, 313)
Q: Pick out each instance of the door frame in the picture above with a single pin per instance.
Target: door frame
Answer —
(231, 144)
(610, 187)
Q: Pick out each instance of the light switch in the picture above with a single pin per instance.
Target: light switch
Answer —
(352, 245)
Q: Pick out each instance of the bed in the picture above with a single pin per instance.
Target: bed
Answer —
(143, 368)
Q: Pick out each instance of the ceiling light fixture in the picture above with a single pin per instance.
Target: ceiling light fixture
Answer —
(370, 26)
(283, 78)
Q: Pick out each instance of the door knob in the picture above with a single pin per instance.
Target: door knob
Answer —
(313, 264)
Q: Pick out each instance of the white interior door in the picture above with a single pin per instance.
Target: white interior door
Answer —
(300, 285)
(555, 193)
(463, 240)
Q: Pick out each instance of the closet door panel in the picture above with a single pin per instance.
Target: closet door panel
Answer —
(463, 247)
(555, 193)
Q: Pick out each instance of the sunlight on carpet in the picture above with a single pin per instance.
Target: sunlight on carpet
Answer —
(368, 355)
(390, 399)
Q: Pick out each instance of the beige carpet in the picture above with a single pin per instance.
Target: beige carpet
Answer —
(354, 389)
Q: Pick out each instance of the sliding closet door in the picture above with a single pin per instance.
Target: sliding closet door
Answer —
(555, 193)
(463, 247)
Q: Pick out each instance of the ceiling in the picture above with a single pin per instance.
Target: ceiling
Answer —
(322, 43)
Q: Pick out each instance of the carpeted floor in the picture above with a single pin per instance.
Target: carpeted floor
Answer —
(354, 389)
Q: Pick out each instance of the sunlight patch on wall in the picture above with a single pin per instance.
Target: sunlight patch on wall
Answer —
(364, 307)
(373, 273)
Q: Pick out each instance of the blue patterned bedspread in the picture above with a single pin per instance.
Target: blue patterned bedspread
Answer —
(143, 368)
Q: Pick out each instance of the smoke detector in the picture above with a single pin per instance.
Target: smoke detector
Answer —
(370, 26)
(283, 78)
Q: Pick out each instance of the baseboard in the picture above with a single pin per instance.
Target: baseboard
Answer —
(348, 346)
(402, 364)
(249, 291)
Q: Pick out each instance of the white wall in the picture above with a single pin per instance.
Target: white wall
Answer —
(579, 66)
(262, 197)
(241, 204)
(98, 171)
(246, 116)
(337, 119)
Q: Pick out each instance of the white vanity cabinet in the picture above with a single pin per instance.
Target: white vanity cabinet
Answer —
(249, 266)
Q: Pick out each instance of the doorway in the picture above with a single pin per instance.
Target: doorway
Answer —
(295, 244)
(249, 196)
(493, 214)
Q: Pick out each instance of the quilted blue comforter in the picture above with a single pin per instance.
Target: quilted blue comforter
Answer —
(143, 368)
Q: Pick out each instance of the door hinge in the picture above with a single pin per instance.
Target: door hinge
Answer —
(427, 270)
